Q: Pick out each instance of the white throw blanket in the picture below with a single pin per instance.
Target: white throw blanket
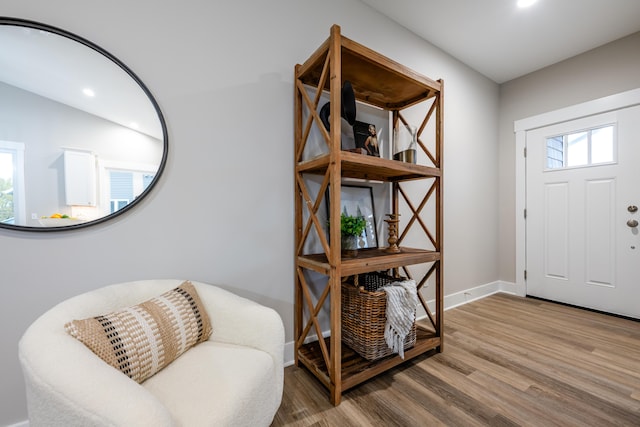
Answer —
(402, 300)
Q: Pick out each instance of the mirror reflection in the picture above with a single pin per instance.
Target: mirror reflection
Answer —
(81, 137)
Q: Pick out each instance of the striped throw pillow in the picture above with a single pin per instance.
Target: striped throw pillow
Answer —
(142, 339)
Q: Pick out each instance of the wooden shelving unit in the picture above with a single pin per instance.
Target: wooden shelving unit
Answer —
(385, 84)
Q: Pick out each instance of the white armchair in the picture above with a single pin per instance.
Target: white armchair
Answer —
(235, 378)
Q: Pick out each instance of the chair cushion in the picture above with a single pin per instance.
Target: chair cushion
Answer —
(218, 384)
(142, 339)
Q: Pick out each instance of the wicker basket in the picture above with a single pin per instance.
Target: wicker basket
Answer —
(364, 316)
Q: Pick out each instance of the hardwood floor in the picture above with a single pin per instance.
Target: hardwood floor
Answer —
(507, 361)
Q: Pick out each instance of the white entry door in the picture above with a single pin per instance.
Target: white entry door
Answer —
(582, 212)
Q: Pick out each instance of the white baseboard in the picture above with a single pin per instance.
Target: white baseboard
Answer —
(482, 291)
(20, 424)
(450, 301)
(288, 354)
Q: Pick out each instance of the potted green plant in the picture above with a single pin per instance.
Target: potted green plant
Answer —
(351, 227)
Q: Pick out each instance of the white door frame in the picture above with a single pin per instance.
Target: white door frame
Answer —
(520, 128)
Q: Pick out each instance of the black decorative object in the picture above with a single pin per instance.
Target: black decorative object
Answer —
(348, 106)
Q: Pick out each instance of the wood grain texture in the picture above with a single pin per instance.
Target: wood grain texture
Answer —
(381, 82)
(509, 361)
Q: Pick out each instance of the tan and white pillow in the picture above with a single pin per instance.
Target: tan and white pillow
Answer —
(142, 339)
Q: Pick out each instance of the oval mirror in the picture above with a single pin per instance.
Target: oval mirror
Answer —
(82, 139)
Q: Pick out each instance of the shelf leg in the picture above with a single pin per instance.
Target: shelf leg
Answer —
(336, 395)
(440, 307)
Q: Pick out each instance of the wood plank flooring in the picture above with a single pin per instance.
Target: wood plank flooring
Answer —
(507, 361)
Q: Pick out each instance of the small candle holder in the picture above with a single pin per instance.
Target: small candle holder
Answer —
(393, 233)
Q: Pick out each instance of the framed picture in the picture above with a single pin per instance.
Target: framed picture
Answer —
(358, 201)
(366, 137)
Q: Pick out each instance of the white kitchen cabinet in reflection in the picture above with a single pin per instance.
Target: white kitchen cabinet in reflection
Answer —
(79, 178)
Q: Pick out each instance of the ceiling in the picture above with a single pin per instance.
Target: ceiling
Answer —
(494, 37)
(25, 54)
(502, 41)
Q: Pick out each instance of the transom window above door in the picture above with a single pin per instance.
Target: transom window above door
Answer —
(588, 147)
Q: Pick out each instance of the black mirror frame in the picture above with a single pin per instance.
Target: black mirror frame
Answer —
(44, 27)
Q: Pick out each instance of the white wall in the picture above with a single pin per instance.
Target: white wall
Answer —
(223, 211)
(607, 70)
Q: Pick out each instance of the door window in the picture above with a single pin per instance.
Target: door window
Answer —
(582, 148)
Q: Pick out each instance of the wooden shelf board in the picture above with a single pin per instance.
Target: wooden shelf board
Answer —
(368, 167)
(317, 263)
(370, 260)
(356, 369)
(309, 359)
(376, 79)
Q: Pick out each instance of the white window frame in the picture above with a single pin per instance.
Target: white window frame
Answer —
(19, 204)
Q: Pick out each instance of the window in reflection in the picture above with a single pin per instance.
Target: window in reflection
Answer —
(11, 181)
(7, 214)
(126, 186)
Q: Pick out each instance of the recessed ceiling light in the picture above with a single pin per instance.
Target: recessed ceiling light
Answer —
(88, 92)
(526, 3)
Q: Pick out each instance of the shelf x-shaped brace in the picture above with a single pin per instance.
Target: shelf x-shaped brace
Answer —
(416, 214)
(313, 316)
(434, 159)
(312, 208)
(312, 107)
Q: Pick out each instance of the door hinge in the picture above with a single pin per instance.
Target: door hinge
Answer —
(525, 214)
(525, 151)
(525, 275)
